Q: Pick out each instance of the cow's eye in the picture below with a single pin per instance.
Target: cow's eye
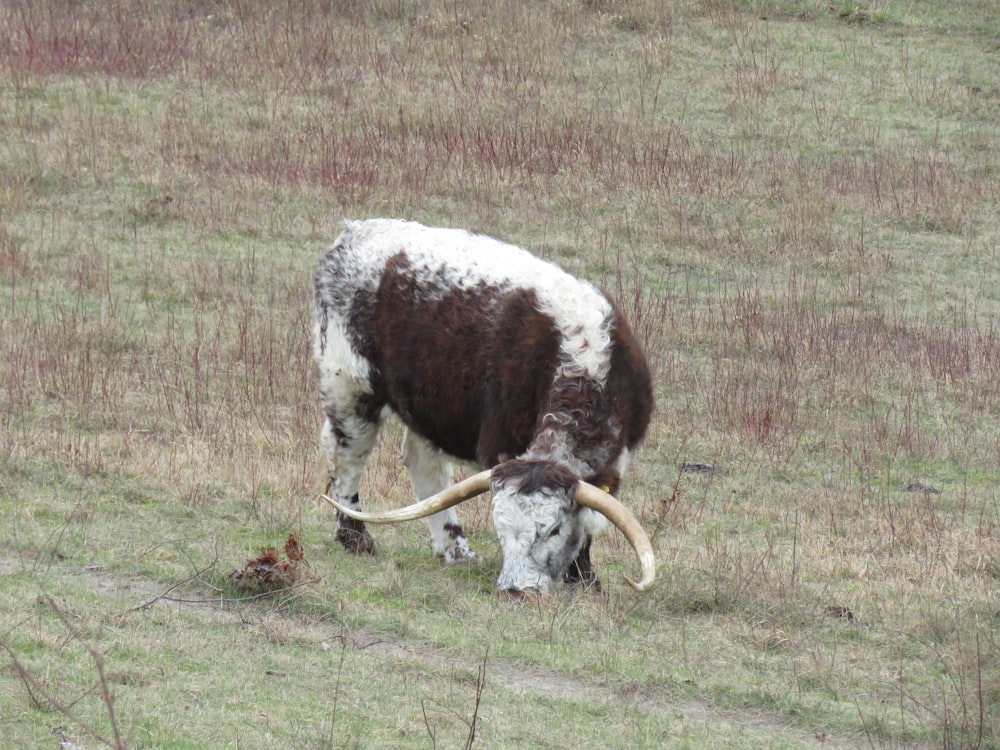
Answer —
(554, 531)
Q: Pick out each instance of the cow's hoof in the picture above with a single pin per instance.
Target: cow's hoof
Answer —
(354, 537)
(459, 553)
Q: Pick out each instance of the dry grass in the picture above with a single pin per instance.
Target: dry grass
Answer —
(796, 206)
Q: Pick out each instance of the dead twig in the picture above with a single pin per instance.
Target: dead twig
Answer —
(473, 722)
(480, 686)
(430, 729)
(247, 598)
(40, 695)
(149, 604)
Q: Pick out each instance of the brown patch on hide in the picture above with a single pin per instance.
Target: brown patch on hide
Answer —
(629, 388)
(468, 368)
(271, 572)
(432, 352)
(523, 356)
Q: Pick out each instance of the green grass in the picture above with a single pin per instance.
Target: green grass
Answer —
(795, 204)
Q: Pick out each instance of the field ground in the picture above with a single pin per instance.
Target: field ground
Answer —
(796, 204)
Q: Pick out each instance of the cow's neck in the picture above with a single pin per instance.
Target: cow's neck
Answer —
(558, 446)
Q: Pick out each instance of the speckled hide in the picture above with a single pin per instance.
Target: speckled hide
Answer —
(490, 356)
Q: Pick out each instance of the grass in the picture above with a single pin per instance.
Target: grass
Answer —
(794, 202)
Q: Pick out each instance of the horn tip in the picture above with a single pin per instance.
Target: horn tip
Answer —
(641, 585)
(648, 573)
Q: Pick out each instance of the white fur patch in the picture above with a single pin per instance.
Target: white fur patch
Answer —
(449, 259)
(343, 375)
(517, 518)
(334, 353)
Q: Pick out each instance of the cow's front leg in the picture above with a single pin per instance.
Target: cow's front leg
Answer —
(430, 472)
(347, 455)
(352, 533)
(580, 571)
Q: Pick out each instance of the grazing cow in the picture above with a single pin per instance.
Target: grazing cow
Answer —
(489, 356)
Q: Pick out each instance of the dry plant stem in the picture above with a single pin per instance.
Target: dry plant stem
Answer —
(55, 538)
(480, 685)
(197, 575)
(234, 599)
(427, 723)
(336, 690)
(118, 741)
(30, 683)
(472, 722)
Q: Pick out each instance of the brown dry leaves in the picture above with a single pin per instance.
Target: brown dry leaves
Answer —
(272, 572)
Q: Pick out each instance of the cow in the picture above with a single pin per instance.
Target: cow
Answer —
(488, 356)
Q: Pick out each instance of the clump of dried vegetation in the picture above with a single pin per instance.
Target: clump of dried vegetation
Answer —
(269, 571)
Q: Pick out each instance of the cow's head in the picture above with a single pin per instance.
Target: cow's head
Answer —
(542, 513)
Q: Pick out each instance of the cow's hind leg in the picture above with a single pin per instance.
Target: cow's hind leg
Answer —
(430, 472)
(349, 443)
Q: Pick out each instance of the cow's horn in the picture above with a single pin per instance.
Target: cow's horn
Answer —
(620, 516)
(457, 493)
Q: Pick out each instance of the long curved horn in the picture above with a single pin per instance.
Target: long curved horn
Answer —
(467, 488)
(620, 516)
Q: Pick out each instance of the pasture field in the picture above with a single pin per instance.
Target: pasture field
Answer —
(797, 204)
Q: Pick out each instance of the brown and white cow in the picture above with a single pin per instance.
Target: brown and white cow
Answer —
(488, 356)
